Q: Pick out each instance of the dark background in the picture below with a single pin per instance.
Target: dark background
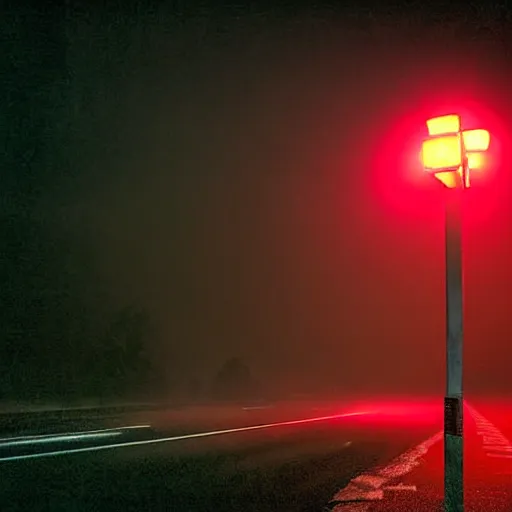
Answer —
(185, 183)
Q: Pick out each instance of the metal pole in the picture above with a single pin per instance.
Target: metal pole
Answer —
(453, 403)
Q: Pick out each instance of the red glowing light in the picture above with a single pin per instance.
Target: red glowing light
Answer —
(398, 181)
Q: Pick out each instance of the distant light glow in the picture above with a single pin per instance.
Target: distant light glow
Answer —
(444, 125)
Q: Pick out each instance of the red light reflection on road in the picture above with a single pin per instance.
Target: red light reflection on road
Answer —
(403, 412)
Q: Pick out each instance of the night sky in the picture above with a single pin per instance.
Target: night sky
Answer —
(248, 176)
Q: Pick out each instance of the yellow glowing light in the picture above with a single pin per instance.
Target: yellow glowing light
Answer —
(443, 125)
(445, 154)
(441, 153)
(476, 140)
(476, 161)
(450, 179)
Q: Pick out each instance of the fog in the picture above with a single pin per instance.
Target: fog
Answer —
(249, 182)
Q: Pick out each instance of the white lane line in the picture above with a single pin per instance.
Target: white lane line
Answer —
(494, 443)
(59, 439)
(363, 490)
(182, 437)
(81, 432)
(499, 441)
(499, 448)
(400, 487)
(492, 436)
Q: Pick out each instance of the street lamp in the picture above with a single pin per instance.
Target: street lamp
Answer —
(450, 154)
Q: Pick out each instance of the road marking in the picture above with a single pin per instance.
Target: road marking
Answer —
(368, 481)
(503, 443)
(363, 490)
(41, 436)
(59, 439)
(400, 487)
(499, 448)
(60, 434)
(498, 441)
(182, 437)
(493, 439)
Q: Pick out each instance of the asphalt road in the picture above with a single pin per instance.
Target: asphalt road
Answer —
(163, 464)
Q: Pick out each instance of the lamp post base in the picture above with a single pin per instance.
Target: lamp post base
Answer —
(453, 455)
